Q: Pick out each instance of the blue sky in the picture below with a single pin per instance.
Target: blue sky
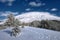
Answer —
(19, 6)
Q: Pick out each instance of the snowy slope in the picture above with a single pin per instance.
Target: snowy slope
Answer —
(30, 33)
(31, 16)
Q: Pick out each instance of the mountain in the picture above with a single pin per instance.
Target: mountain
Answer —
(30, 33)
(32, 16)
(39, 19)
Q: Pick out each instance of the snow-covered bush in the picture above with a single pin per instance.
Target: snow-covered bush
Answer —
(15, 31)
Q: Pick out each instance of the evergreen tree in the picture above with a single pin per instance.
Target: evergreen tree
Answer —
(16, 22)
(15, 31)
(11, 21)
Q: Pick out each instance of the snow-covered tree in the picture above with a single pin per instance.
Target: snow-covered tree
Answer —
(16, 22)
(12, 21)
(15, 31)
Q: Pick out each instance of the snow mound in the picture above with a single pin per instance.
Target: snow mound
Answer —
(31, 16)
(30, 33)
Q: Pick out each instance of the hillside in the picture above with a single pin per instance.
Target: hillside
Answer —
(30, 33)
(37, 19)
(32, 16)
(40, 19)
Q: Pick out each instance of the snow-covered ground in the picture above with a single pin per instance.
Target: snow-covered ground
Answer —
(31, 33)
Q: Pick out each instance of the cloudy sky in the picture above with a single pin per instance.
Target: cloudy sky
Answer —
(19, 6)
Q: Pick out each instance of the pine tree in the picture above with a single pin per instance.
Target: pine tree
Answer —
(15, 31)
(16, 22)
(11, 21)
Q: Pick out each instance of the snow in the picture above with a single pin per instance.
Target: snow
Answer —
(3, 21)
(31, 33)
(31, 16)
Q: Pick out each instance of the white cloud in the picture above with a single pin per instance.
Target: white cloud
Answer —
(54, 9)
(9, 2)
(6, 13)
(36, 4)
(28, 9)
(3, 1)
